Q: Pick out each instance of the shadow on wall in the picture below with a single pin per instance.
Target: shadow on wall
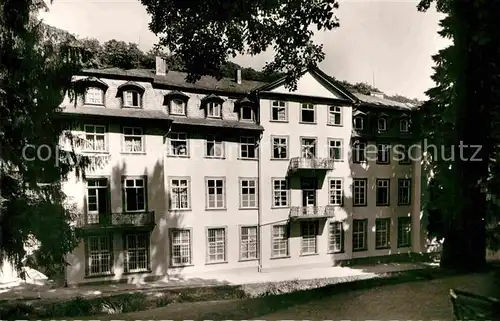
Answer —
(130, 233)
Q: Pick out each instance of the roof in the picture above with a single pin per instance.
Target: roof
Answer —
(115, 112)
(178, 79)
(374, 101)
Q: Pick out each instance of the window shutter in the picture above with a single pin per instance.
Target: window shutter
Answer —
(389, 233)
(125, 252)
(111, 253)
(148, 250)
(170, 246)
(124, 200)
(366, 234)
(146, 200)
(87, 258)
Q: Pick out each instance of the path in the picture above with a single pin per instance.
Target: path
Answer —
(423, 300)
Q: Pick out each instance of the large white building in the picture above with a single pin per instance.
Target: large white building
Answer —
(233, 173)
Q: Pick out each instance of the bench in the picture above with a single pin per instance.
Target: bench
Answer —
(469, 306)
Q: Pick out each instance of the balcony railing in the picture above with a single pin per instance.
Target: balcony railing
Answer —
(139, 219)
(304, 212)
(297, 163)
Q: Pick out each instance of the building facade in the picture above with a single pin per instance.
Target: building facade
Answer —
(234, 174)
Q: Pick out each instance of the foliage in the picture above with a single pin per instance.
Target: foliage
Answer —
(206, 33)
(463, 109)
(37, 63)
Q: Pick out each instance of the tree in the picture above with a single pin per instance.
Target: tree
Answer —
(463, 110)
(37, 63)
(204, 34)
(122, 55)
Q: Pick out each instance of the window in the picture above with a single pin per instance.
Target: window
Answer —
(382, 233)
(280, 147)
(359, 152)
(404, 231)
(404, 155)
(248, 243)
(246, 113)
(335, 149)
(180, 247)
(280, 193)
(336, 237)
(99, 249)
(383, 192)
(359, 191)
(383, 154)
(214, 147)
(94, 96)
(248, 148)
(308, 147)
(248, 193)
(131, 99)
(178, 107)
(97, 199)
(307, 113)
(335, 115)
(308, 232)
(178, 144)
(336, 192)
(135, 195)
(279, 241)
(136, 252)
(279, 111)
(359, 235)
(179, 194)
(216, 193)
(214, 109)
(216, 245)
(358, 123)
(382, 124)
(404, 125)
(133, 140)
(404, 190)
(95, 138)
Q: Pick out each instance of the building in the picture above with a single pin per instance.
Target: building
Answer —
(233, 173)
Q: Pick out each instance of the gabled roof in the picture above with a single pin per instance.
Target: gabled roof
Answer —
(328, 82)
(92, 80)
(131, 84)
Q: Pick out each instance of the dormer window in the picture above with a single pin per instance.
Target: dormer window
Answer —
(131, 94)
(93, 90)
(177, 107)
(358, 123)
(404, 125)
(131, 98)
(94, 96)
(382, 124)
(214, 109)
(213, 106)
(246, 109)
(246, 113)
(177, 103)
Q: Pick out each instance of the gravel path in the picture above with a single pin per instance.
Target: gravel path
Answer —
(422, 300)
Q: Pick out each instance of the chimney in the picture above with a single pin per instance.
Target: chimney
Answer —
(161, 66)
(238, 76)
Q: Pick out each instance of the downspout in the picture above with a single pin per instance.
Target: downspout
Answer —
(259, 180)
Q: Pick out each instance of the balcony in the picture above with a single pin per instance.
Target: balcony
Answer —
(311, 212)
(117, 220)
(316, 163)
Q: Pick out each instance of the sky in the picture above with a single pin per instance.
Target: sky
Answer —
(384, 43)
